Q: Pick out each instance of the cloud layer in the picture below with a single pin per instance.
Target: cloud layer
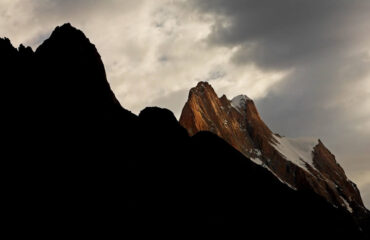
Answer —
(306, 63)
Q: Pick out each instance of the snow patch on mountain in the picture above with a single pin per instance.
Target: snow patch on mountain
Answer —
(296, 150)
(256, 160)
(282, 181)
(238, 102)
(255, 155)
(346, 205)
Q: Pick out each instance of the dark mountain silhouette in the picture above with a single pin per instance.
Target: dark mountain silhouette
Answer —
(75, 160)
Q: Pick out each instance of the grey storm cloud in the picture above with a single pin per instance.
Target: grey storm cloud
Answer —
(277, 34)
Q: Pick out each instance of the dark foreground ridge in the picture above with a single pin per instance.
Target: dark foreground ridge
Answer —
(76, 160)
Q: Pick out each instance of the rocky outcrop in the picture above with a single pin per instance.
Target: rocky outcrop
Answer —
(304, 164)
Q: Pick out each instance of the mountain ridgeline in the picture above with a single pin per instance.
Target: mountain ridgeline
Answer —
(301, 163)
(75, 160)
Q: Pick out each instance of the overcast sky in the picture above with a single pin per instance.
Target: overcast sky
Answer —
(305, 63)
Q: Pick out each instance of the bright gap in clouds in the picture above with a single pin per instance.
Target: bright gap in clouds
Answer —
(151, 49)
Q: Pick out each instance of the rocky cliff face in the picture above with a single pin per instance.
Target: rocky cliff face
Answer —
(304, 164)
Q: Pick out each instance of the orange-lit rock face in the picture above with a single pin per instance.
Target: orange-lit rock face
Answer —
(204, 111)
(326, 164)
(238, 122)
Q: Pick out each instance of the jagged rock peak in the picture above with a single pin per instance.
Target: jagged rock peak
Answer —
(70, 62)
(69, 37)
(5, 41)
(201, 88)
(67, 29)
(6, 47)
(202, 84)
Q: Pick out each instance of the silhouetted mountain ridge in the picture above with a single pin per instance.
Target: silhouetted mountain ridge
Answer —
(76, 160)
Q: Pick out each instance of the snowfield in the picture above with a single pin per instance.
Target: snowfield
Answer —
(296, 150)
(238, 102)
